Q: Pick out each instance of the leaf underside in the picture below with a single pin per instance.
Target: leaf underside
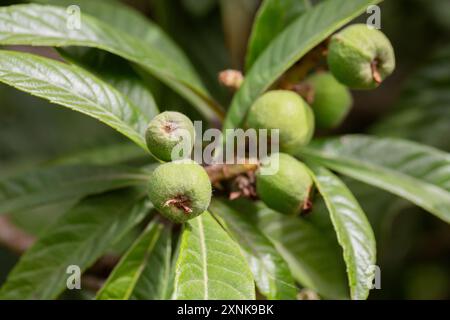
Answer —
(61, 183)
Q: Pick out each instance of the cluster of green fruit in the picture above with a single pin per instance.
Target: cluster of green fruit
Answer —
(358, 58)
(180, 189)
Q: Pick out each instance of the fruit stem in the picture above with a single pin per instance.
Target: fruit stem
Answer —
(219, 172)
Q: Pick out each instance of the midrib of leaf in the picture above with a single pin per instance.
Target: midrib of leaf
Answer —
(213, 257)
(91, 241)
(366, 167)
(269, 8)
(167, 273)
(204, 257)
(255, 251)
(79, 184)
(156, 229)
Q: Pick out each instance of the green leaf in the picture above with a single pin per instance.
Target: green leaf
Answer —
(272, 17)
(353, 230)
(28, 24)
(409, 170)
(422, 113)
(78, 238)
(74, 88)
(271, 273)
(309, 247)
(148, 251)
(37, 219)
(122, 76)
(210, 264)
(103, 155)
(56, 184)
(296, 40)
(128, 20)
(156, 281)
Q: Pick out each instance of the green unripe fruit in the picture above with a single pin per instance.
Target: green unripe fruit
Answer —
(286, 111)
(361, 58)
(332, 100)
(180, 190)
(167, 131)
(288, 190)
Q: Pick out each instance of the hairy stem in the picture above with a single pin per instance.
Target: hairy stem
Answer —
(221, 172)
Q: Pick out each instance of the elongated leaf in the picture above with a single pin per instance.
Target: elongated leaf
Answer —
(135, 90)
(352, 229)
(271, 273)
(237, 17)
(297, 39)
(310, 249)
(74, 88)
(156, 281)
(56, 184)
(272, 17)
(124, 278)
(122, 77)
(209, 58)
(422, 113)
(78, 238)
(28, 24)
(412, 171)
(210, 264)
(103, 155)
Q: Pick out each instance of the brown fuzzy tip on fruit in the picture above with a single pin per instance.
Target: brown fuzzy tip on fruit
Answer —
(181, 202)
